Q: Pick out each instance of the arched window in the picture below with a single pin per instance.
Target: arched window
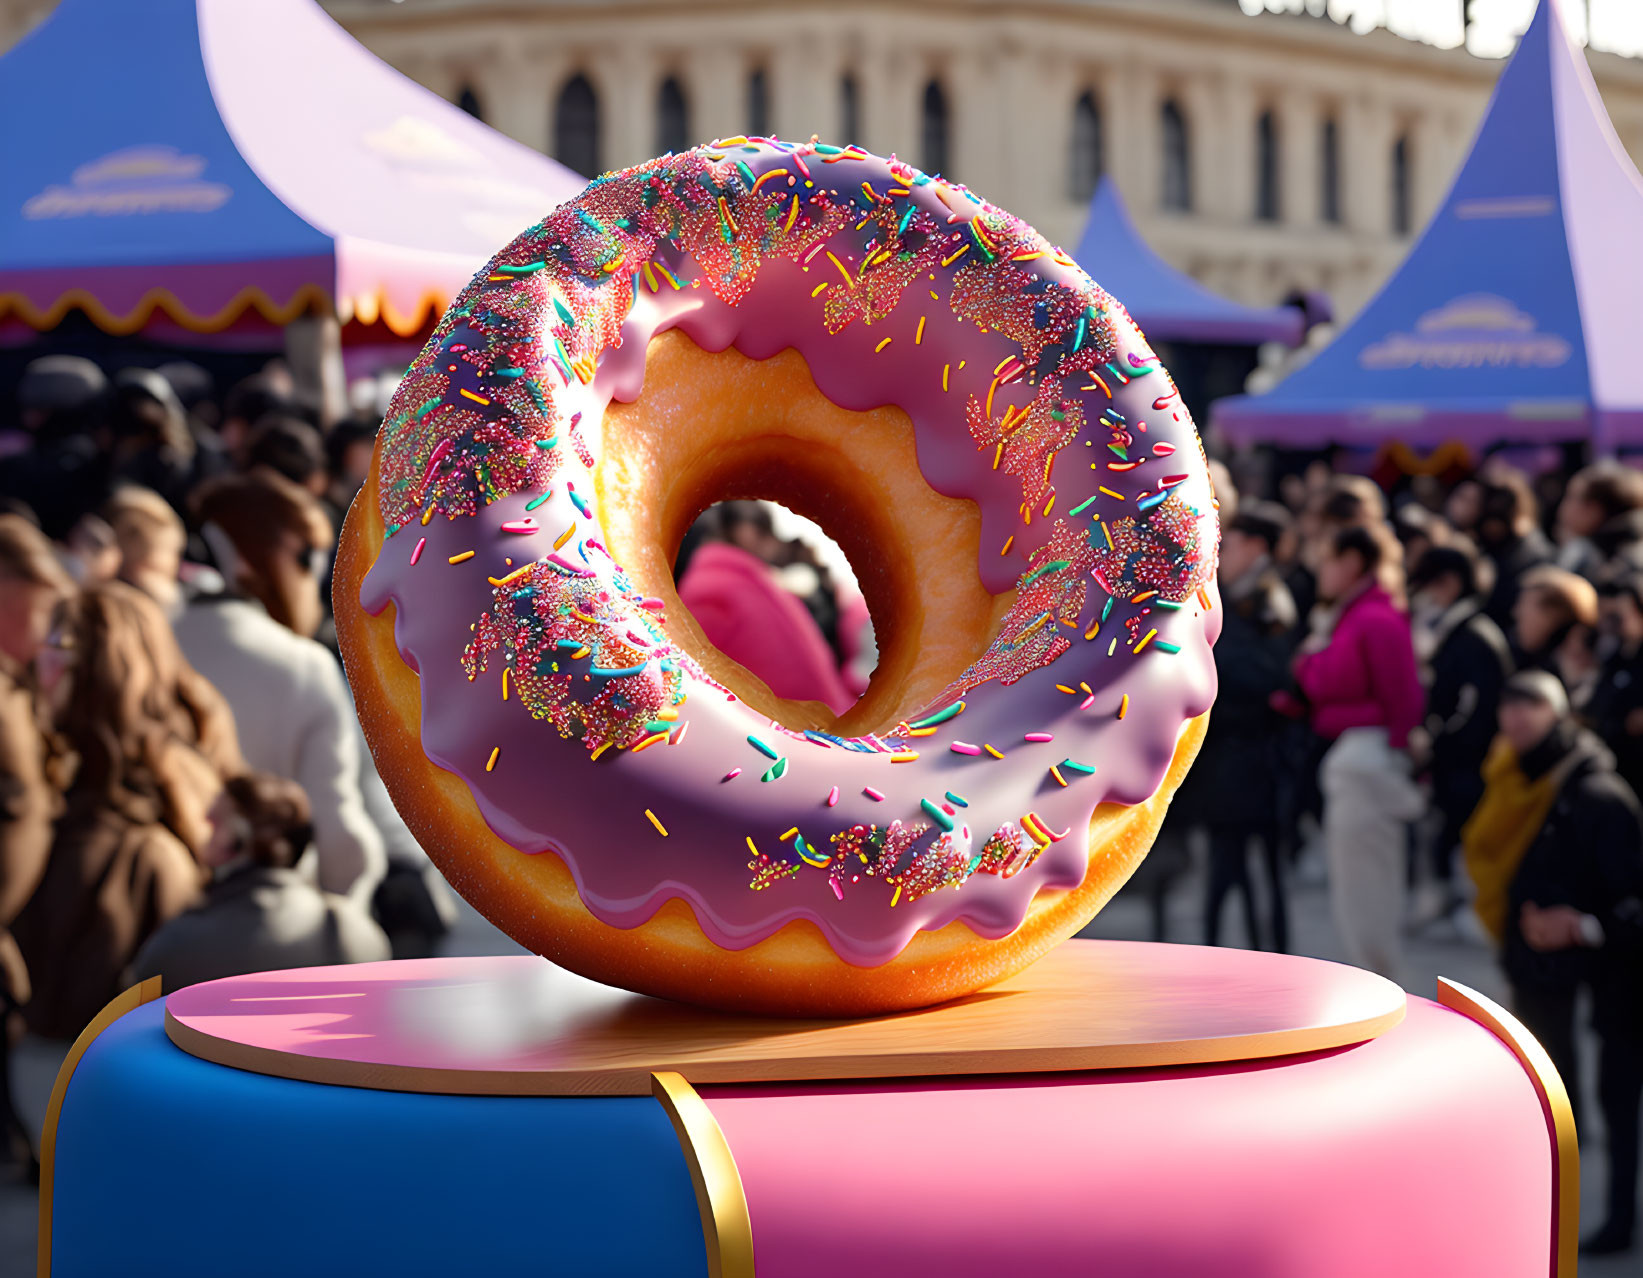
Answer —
(1266, 167)
(576, 127)
(1402, 214)
(849, 111)
(468, 100)
(1177, 187)
(1084, 167)
(935, 129)
(758, 104)
(672, 117)
(1329, 172)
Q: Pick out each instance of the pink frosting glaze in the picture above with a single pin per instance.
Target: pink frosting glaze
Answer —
(1029, 390)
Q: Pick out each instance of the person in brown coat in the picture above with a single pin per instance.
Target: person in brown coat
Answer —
(259, 914)
(32, 585)
(154, 742)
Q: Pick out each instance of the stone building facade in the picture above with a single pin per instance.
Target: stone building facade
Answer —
(1262, 154)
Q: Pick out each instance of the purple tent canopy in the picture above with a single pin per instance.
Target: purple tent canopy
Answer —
(1518, 313)
(204, 162)
(1168, 304)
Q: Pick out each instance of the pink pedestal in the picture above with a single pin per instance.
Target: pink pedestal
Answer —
(1423, 1152)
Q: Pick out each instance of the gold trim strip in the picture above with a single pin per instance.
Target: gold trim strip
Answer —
(1559, 1116)
(367, 308)
(131, 999)
(164, 301)
(719, 1196)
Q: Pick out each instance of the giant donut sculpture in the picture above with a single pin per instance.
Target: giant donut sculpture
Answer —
(986, 435)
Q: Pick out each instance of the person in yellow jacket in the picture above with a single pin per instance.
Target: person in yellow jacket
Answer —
(1555, 848)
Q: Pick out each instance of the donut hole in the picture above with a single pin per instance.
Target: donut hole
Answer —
(710, 427)
(763, 548)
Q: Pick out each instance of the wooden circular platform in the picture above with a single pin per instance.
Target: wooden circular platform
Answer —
(520, 1026)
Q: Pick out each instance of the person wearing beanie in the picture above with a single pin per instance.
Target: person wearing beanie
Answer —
(1556, 849)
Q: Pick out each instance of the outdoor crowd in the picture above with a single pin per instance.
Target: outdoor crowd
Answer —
(1446, 685)
(185, 790)
(184, 787)
(1450, 683)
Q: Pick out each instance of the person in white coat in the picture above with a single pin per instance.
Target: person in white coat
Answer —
(253, 641)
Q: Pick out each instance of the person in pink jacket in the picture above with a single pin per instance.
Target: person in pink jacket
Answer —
(1363, 685)
(746, 614)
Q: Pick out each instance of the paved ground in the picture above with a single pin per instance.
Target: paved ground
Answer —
(1448, 955)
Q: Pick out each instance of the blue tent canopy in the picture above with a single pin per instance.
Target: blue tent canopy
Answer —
(1168, 304)
(207, 162)
(1517, 314)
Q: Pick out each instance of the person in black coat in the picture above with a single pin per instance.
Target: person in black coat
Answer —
(1508, 532)
(1468, 660)
(1614, 709)
(1233, 786)
(1574, 917)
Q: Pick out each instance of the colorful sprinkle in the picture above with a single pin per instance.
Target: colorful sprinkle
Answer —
(936, 814)
(940, 716)
(462, 558)
(491, 762)
(660, 828)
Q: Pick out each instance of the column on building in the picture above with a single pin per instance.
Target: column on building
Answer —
(892, 90)
(985, 88)
(715, 79)
(1213, 142)
(1222, 115)
(518, 95)
(1044, 121)
(1134, 140)
(1438, 151)
(1300, 157)
(804, 88)
(1367, 134)
(626, 81)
